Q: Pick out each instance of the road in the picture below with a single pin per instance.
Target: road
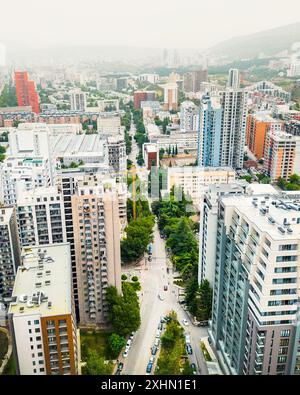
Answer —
(153, 277)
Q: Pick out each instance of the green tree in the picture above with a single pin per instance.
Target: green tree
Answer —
(96, 365)
(116, 343)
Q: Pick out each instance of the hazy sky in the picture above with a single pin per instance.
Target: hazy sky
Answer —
(151, 23)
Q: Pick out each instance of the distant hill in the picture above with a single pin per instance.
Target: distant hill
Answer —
(268, 42)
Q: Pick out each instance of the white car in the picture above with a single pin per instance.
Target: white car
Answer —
(125, 353)
(152, 359)
(185, 322)
(161, 297)
(157, 333)
(187, 339)
(128, 344)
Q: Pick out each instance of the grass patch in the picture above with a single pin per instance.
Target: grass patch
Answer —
(172, 355)
(10, 368)
(3, 346)
(94, 340)
(205, 352)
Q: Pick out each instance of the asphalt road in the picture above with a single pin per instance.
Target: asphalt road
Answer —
(153, 276)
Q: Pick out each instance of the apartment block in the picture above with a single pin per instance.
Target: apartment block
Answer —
(255, 317)
(9, 252)
(41, 314)
(280, 150)
(96, 227)
(257, 127)
(40, 217)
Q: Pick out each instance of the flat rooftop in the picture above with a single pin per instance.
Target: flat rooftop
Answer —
(278, 215)
(43, 282)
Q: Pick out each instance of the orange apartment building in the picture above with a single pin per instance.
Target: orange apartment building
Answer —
(257, 127)
(280, 152)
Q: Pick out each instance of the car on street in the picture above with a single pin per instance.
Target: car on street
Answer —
(193, 366)
(185, 322)
(125, 353)
(149, 258)
(160, 297)
(187, 339)
(149, 367)
(152, 359)
(156, 343)
(120, 365)
(153, 350)
(157, 333)
(128, 344)
(189, 349)
(160, 326)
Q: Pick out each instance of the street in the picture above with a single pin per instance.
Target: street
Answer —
(153, 276)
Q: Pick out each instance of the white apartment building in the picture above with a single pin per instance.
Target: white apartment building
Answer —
(9, 251)
(78, 100)
(208, 208)
(41, 217)
(193, 178)
(189, 117)
(255, 319)
(41, 313)
(20, 174)
(233, 135)
(233, 79)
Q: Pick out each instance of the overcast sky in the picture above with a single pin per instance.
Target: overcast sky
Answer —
(151, 23)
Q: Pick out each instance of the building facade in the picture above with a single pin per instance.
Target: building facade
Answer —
(41, 314)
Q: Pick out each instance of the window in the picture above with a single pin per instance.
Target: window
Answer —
(284, 342)
(285, 333)
(286, 258)
(29, 322)
(287, 247)
(36, 322)
(37, 330)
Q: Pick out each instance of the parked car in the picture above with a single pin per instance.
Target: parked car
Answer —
(125, 353)
(193, 366)
(152, 359)
(165, 288)
(160, 326)
(157, 333)
(149, 367)
(187, 339)
(120, 365)
(149, 258)
(156, 343)
(128, 344)
(153, 350)
(189, 349)
(185, 322)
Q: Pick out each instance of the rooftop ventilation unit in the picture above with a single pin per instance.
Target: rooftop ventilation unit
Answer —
(271, 220)
(281, 230)
(289, 230)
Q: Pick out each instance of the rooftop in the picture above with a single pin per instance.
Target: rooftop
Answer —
(43, 281)
(278, 215)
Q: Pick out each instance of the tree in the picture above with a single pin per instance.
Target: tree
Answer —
(205, 295)
(123, 277)
(96, 365)
(116, 343)
(124, 311)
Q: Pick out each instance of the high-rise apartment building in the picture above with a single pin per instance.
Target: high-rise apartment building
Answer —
(117, 154)
(171, 96)
(257, 127)
(208, 208)
(9, 252)
(18, 175)
(41, 314)
(40, 217)
(189, 117)
(192, 80)
(78, 100)
(233, 79)
(255, 316)
(209, 132)
(279, 156)
(96, 226)
(234, 115)
(26, 91)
